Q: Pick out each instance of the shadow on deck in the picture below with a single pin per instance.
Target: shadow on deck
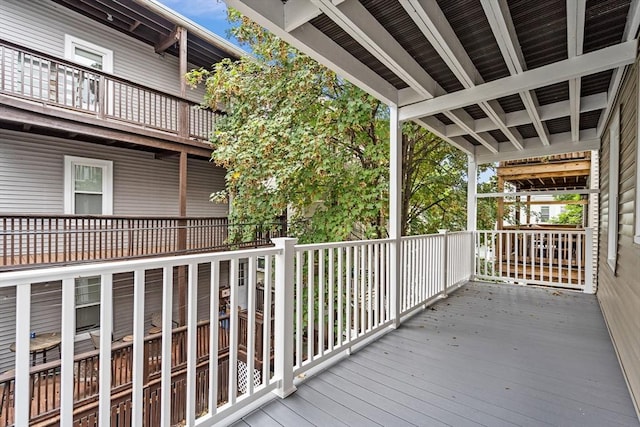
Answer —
(493, 355)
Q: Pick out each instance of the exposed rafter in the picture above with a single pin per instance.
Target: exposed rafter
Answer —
(168, 41)
(547, 112)
(499, 18)
(575, 43)
(435, 27)
(314, 43)
(354, 18)
(590, 63)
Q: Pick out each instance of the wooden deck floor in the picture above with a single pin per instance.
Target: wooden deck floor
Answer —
(492, 355)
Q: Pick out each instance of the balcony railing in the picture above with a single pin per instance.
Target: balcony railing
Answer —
(36, 76)
(30, 240)
(326, 299)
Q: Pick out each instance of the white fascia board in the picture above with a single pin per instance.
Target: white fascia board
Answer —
(590, 63)
(298, 12)
(547, 112)
(311, 41)
(560, 144)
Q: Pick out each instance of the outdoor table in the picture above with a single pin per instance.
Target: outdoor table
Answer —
(41, 344)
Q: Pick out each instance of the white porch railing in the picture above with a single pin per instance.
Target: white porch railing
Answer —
(560, 258)
(327, 298)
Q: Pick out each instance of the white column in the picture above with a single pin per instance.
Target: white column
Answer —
(589, 287)
(395, 211)
(284, 301)
(444, 265)
(472, 190)
(67, 350)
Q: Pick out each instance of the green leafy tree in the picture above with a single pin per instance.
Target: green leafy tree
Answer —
(295, 136)
(571, 214)
(298, 137)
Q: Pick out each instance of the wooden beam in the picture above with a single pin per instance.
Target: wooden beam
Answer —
(134, 25)
(538, 193)
(168, 41)
(182, 36)
(550, 174)
(534, 169)
(57, 119)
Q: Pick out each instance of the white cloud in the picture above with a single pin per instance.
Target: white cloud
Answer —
(213, 9)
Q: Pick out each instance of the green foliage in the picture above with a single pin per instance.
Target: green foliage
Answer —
(571, 214)
(295, 134)
(298, 137)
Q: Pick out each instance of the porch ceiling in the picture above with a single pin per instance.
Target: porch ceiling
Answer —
(498, 79)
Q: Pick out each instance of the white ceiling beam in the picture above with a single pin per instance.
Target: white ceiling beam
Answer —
(630, 32)
(499, 18)
(299, 12)
(560, 143)
(575, 43)
(465, 121)
(590, 63)
(435, 27)
(354, 19)
(310, 40)
(436, 127)
(522, 117)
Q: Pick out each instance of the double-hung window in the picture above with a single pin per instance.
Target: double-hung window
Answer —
(87, 303)
(88, 186)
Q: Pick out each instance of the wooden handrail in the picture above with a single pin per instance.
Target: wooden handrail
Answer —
(62, 83)
(34, 240)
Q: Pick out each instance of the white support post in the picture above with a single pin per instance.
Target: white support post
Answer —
(284, 300)
(192, 326)
(444, 249)
(167, 325)
(395, 212)
(589, 287)
(66, 351)
(472, 208)
(137, 379)
(22, 391)
(472, 190)
(106, 322)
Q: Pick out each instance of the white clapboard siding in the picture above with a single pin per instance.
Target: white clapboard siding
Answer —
(32, 181)
(619, 293)
(42, 25)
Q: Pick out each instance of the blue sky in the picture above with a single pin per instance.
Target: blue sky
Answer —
(211, 14)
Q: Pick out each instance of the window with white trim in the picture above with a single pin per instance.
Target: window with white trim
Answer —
(614, 165)
(82, 86)
(87, 291)
(88, 186)
(544, 213)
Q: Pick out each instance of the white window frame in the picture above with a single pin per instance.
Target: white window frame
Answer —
(614, 165)
(71, 42)
(84, 335)
(107, 182)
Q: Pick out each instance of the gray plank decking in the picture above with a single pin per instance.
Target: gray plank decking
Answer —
(493, 355)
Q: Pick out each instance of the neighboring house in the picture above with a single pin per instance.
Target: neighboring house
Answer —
(102, 149)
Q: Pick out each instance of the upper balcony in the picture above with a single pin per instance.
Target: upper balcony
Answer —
(39, 90)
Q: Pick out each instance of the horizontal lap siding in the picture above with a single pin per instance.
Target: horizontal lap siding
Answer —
(32, 178)
(619, 295)
(42, 25)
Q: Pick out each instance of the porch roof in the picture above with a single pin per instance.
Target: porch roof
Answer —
(497, 79)
(488, 355)
(155, 24)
